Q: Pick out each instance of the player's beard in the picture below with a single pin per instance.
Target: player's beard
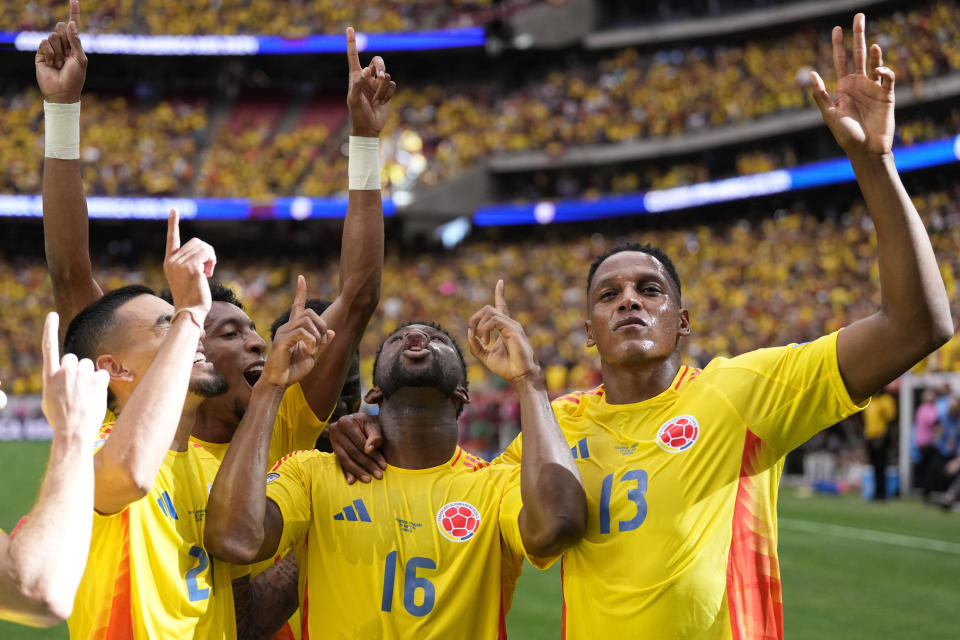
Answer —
(209, 385)
(434, 375)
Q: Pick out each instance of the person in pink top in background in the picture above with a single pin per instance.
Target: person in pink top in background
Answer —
(923, 436)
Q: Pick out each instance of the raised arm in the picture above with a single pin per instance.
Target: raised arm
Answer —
(554, 514)
(914, 317)
(242, 525)
(127, 465)
(41, 567)
(61, 67)
(361, 253)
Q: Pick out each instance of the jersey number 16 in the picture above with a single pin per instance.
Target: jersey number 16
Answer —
(411, 584)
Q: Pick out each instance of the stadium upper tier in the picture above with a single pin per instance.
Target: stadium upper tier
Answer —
(788, 277)
(167, 150)
(294, 19)
(255, 147)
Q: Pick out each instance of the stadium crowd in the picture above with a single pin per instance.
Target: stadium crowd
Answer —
(231, 17)
(434, 132)
(735, 274)
(127, 151)
(248, 157)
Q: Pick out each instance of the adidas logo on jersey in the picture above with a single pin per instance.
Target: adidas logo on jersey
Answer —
(580, 450)
(166, 505)
(354, 512)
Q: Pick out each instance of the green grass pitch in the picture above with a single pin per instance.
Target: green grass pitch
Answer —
(850, 569)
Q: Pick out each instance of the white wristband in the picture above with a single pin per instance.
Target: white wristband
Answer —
(363, 168)
(61, 130)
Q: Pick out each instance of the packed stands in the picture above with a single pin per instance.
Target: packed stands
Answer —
(229, 17)
(733, 276)
(126, 151)
(435, 132)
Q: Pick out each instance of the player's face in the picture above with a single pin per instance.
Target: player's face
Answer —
(418, 356)
(143, 322)
(237, 352)
(635, 313)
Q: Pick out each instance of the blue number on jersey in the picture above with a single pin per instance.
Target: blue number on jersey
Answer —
(411, 583)
(193, 590)
(635, 494)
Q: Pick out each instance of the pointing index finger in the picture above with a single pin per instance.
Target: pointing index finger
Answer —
(51, 351)
(300, 299)
(498, 300)
(353, 59)
(173, 232)
(75, 12)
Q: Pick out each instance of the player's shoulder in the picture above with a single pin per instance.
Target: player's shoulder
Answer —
(463, 460)
(305, 458)
(762, 361)
(574, 403)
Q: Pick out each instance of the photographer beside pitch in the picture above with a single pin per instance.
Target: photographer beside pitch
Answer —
(681, 466)
(433, 550)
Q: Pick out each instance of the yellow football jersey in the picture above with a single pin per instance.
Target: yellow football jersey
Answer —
(296, 427)
(427, 553)
(148, 575)
(681, 489)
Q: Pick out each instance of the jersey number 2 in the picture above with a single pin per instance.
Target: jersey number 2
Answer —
(193, 589)
(635, 494)
(411, 584)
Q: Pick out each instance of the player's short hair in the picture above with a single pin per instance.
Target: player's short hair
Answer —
(648, 249)
(88, 329)
(219, 292)
(85, 334)
(350, 395)
(456, 347)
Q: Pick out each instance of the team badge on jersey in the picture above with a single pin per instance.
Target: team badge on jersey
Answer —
(678, 434)
(272, 476)
(458, 521)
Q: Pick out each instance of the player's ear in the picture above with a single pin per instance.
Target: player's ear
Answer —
(684, 328)
(461, 394)
(114, 367)
(588, 328)
(373, 396)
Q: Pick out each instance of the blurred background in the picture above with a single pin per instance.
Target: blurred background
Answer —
(527, 137)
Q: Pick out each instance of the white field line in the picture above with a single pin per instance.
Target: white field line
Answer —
(870, 535)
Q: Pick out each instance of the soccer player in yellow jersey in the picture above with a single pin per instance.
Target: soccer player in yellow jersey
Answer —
(433, 550)
(148, 575)
(680, 465)
(41, 566)
(231, 341)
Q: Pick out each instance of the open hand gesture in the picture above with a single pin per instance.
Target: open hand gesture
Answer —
(510, 356)
(861, 116)
(369, 92)
(60, 61)
(298, 343)
(74, 395)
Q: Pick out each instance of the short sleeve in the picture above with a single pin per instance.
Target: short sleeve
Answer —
(511, 455)
(296, 427)
(289, 485)
(785, 395)
(510, 506)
